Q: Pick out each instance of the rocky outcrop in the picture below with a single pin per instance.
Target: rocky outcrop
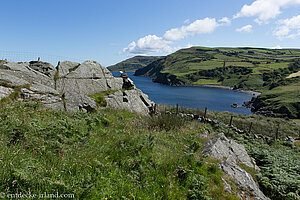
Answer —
(232, 155)
(69, 85)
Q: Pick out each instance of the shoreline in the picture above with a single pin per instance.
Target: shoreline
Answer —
(226, 88)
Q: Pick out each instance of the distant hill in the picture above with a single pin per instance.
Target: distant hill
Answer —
(256, 69)
(134, 63)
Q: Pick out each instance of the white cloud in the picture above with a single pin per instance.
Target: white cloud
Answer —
(186, 21)
(153, 44)
(225, 21)
(276, 47)
(200, 26)
(288, 28)
(247, 28)
(147, 45)
(265, 10)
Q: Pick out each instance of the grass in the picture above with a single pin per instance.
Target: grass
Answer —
(266, 126)
(109, 153)
(207, 82)
(283, 99)
(99, 97)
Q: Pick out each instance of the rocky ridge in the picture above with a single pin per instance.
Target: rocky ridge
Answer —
(69, 86)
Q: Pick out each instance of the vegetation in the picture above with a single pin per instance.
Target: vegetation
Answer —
(261, 125)
(279, 163)
(102, 154)
(115, 154)
(99, 97)
(264, 70)
(134, 63)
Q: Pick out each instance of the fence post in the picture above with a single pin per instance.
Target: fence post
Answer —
(250, 127)
(230, 123)
(177, 109)
(277, 134)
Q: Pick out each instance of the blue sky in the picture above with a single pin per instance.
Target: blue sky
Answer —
(111, 31)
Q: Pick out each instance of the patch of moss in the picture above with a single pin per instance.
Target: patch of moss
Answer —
(99, 97)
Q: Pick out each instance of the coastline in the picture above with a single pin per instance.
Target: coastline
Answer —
(227, 88)
(255, 94)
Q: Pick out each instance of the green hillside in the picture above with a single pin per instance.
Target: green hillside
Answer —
(134, 63)
(255, 69)
(114, 154)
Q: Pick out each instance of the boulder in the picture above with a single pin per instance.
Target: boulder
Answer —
(244, 181)
(5, 92)
(133, 100)
(231, 154)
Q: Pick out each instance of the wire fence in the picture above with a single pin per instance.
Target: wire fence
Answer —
(23, 56)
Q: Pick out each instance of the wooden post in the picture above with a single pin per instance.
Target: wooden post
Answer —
(155, 108)
(177, 109)
(230, 123)
(277, 134)
(250, 127)
(205, 112)
(165, 109)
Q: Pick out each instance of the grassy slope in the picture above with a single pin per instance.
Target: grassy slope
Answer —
(134, 63)
(102, 154)
(113, 153)
(283, 99)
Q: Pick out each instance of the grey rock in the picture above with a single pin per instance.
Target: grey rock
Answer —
(133, 100)
(43, 67)
(5, 92)
(227, 187)
(69, 86)
(13, 66)
(49, 100)
(77, 101)
(13, 80)
(64, 68)
(37, 87)
(244, 180)
(221, 148)
(231, 154)
(35, 71)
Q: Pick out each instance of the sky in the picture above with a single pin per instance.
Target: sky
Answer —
(110, 31)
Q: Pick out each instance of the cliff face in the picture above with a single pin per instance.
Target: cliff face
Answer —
(70, 85)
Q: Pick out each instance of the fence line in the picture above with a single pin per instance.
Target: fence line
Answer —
(23, 56)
